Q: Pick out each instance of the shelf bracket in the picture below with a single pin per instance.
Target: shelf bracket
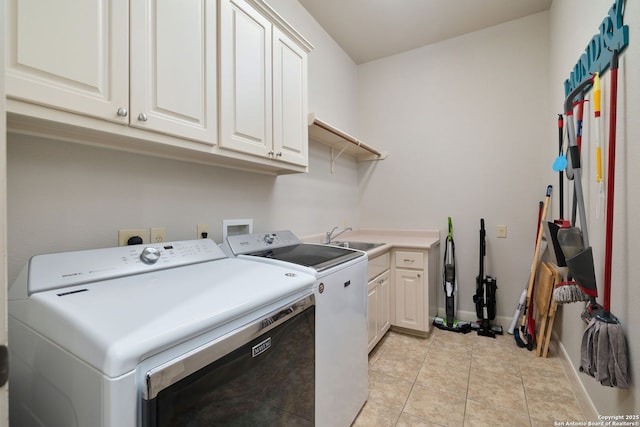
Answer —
(334, 158)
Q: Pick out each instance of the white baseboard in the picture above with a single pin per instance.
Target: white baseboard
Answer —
(584, 401)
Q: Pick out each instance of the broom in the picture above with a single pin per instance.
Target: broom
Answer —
(604, 347)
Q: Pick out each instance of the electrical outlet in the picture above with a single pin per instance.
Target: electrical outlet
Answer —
(202, 231)
(126, 234)
(158, 234)
(501, 231)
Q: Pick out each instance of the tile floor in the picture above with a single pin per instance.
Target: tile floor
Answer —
(453, 379)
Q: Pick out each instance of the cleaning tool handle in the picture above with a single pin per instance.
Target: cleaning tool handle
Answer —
(596, 94)
(536, 255)
(450, 235)
(568, 102)
(518, 312)
(596, 115)
(560, 173)
(608, 250)
(568, 107)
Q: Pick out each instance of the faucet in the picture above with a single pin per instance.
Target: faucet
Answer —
(330, 236)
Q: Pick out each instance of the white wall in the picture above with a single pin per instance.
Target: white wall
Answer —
(466, 123)
(470, 127)
(64, 196)
(571, 27)
(332, 74)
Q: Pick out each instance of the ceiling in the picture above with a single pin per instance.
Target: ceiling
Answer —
(372, 29)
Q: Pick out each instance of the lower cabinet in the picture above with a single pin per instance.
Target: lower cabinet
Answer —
(378, 301)
(410, 299)
(402, 291)
(378, 298)
(413, 300)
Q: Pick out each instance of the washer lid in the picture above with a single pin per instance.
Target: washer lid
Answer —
(114, 324)
(285, 246)
(318, 257)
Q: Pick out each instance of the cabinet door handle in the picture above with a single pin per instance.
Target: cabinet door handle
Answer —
(122, 112)
(279, 154)
(142, 117)
(270, 153)
(409, 260)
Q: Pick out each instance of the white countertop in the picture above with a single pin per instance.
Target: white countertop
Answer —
(413, 239)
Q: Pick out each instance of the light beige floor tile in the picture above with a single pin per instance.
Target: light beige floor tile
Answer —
(376, 415)
(397, 366)
(503, 391)
(548, 407)
(558, 386)
(414, 343)
(407, 420)
(458, 350)
(496, 358)
(409, 349)
(547, 375)
(478, 414)
(504, 339)
(450, 376)
(437, 377)
(547, 367)
(388, 391)
(433, 405)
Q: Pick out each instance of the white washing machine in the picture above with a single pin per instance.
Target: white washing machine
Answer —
(172, 334)
(341, 315)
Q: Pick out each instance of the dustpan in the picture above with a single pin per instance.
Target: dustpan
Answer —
(581, 265)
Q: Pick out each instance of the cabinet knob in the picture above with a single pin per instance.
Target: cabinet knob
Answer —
(142, 117)
(279, 154)
(122, 112)
(270, 153)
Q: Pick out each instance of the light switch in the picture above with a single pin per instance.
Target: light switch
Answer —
(501, 231)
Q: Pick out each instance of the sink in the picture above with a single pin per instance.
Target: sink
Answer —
(362, 246)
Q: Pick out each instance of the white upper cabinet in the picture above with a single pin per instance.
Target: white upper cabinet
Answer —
(70, 54)
(245, 79)
(290, 130)
(173, 67)
(263, 83)
(220, 82)
(74, 55)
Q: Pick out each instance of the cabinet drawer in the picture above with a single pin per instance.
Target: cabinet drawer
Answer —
(409, 259)
(377, 265)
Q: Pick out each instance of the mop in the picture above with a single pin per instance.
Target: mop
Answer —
(604, 348)
(450, 286)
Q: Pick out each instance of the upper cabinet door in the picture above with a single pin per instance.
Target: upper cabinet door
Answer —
(245, 79)
(70, 54)
(290, 130)
(173, 67)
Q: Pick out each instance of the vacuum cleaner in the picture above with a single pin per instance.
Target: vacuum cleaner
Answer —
(485, 297)
(450, 286)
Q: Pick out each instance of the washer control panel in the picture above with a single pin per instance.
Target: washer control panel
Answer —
(52, 271)
(256, 242)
